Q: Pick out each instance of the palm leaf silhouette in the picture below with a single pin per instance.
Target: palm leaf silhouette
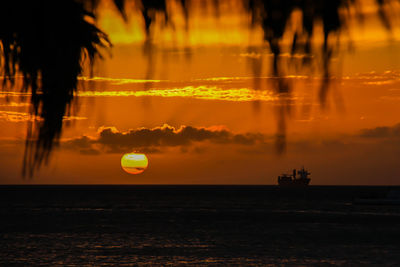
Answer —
(47, 41)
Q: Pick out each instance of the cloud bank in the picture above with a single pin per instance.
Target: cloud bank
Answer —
(153, 139)
(382, 132)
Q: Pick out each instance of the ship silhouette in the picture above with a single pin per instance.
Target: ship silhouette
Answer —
(287, 180)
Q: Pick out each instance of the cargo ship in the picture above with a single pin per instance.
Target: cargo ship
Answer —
(287, 180)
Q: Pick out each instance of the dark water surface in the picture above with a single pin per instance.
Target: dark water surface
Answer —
(196, 225)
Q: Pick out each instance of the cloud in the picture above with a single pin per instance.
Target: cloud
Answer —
(376, 78)
(14, 104)
(14, 116)
(197, 139)
(252, 55)
(382, 132)
(380, 82)
(116, 81)
(224, 79)
(170, 136)
(151, 140)
(198, 92)
(82, 144)
(380, 137)
(89, 151)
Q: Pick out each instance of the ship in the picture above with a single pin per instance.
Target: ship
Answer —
(292, 180)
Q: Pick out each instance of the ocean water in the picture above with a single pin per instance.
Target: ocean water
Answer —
(196, 225)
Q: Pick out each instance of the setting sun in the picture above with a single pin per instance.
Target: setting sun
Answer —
(134, 163)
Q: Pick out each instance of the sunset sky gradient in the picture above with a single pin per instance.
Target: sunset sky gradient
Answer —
(200, 105)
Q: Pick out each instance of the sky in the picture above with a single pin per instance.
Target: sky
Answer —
(201, 105)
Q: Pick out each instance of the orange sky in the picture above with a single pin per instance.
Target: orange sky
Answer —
(206, 79)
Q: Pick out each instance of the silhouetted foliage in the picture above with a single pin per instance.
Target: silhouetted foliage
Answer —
(149, 9)
(46, 41)
(273, 16)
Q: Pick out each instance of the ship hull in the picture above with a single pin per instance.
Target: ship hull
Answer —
(294, 183)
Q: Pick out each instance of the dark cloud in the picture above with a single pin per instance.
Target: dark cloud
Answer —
(151, 140)
(83, 142)
(382, 132)
(89, 151)
(168, 136)
(192, 139)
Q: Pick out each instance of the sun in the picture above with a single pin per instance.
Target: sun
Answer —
(134, 163)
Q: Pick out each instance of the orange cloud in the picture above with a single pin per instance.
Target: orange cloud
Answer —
(198, 92)
(116, 81)
(14, 116)
(14, 104)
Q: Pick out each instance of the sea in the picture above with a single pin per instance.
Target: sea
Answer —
(181, 225)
